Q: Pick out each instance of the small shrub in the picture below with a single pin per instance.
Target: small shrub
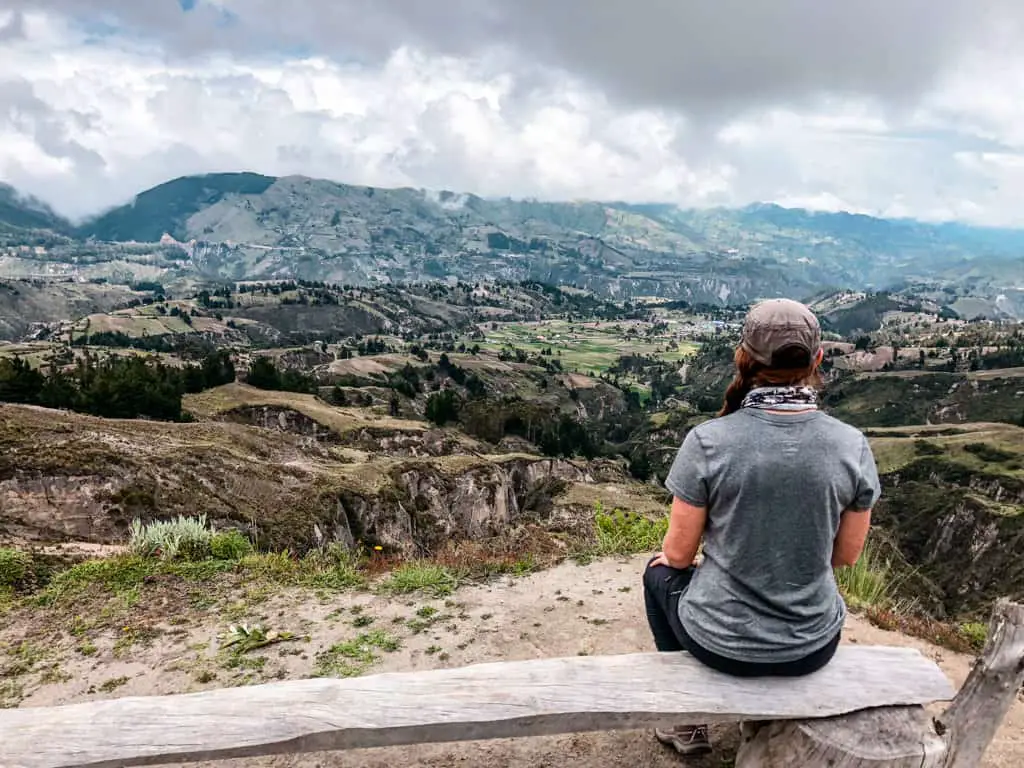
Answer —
(230, 545)
(627, 533)
(421, 577)
(976, 633)
(927, 448)
(15, 568)
(987, 452)
(185, 538)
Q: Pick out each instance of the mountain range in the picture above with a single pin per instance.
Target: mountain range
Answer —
(238, 226)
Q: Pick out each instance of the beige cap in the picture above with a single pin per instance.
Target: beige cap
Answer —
(779, 323)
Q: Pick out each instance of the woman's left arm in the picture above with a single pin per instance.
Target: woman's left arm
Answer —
(685, 528)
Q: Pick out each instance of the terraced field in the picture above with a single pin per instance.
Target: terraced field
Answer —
(590, 348)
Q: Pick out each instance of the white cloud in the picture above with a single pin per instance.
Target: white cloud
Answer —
(90, 119)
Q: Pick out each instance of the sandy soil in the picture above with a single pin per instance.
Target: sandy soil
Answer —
(569, 610)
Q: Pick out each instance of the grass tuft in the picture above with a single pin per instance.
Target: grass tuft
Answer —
(870, 583)
(421, 577)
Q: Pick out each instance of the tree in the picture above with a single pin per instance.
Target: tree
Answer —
(443, 407)
(19, 382)
(263, 374)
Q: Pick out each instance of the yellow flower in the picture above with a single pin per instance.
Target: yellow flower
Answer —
(378, 549)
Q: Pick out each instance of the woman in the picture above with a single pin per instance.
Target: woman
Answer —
(781, 494)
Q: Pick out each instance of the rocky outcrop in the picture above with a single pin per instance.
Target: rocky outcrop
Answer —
(282, 419)
(425, 505)
(66, 477)
(961, 531)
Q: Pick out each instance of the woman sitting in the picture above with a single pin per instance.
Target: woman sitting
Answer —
(781, 494)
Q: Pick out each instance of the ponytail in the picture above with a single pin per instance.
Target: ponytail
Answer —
(751, 374)
(740, 386)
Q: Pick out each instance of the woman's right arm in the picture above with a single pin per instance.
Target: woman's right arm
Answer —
(851, 537)
(855, 522)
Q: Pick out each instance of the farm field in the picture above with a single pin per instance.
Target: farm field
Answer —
(591, 348)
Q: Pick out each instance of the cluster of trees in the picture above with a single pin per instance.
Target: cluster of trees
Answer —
(114, 387)
(264, 373)
(555, 433)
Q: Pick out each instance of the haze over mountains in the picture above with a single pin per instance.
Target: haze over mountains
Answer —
(241, 226)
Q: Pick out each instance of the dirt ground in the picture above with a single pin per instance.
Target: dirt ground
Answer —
(569, 610)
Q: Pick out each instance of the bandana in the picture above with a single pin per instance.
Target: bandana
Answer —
(782, 398)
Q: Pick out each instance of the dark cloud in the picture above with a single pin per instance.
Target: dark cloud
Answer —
(698, 56)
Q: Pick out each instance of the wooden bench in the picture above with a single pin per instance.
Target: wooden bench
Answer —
(863, 709)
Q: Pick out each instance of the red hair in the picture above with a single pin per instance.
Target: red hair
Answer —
(792, 369)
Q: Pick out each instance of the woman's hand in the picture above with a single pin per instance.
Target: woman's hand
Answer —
(662, 559)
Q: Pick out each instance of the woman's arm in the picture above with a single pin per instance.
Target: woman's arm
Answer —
(685, 528)
(853, 533)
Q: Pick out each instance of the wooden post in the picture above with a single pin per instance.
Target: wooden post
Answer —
(899, 737)
(973, 718)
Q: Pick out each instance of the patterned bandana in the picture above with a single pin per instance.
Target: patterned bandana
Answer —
(782, 398)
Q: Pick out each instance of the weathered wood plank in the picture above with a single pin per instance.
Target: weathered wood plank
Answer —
(484, 701)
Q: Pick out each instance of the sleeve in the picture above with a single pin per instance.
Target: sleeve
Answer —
(868, 486)
(687, 478)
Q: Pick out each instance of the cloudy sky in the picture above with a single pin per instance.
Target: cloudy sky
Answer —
(891, 107)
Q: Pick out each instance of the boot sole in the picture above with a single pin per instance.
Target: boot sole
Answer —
(686, 748)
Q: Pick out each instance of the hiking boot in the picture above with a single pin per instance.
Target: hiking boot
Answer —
(685, 739)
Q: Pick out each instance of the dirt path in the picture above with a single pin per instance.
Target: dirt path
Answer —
(594, 609)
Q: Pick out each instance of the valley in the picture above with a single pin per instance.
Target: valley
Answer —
(241, 463)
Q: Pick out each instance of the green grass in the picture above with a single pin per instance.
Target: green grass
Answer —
(230, 545)
(626, 533)
(421, 577)
(15, 568)
(124, 575)
(586, 349)
(870, 583)
(354, 657)
(976, 633)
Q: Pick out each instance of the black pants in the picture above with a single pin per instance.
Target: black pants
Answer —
(663, 586)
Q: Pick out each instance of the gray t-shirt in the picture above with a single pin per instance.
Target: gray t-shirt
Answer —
(774, 486)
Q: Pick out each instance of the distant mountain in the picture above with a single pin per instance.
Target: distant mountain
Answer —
(247, 226)
(167, 208)
(24, 212)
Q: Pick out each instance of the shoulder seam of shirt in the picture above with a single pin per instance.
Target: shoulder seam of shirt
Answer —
(703, 454)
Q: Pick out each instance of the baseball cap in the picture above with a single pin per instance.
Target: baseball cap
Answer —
(778, 324)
